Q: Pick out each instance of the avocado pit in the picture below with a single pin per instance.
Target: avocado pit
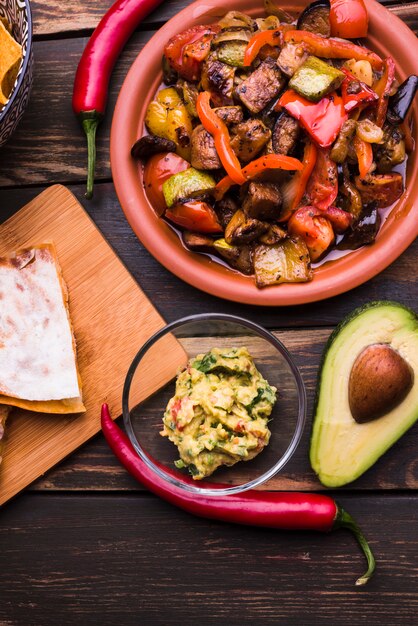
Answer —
(380, 380)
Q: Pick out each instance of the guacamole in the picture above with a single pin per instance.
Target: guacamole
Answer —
(219, 413)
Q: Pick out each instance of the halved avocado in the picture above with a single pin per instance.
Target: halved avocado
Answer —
(341, 448)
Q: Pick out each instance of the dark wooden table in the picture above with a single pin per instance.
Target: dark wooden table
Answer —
(86, 544)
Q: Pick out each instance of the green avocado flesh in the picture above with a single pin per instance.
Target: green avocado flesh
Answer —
(342, 449)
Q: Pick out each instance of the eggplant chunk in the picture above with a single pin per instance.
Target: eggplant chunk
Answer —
(249, 139)
(291, 57)
(284, 262)
(230, 114)
(225, 210)
(285, 134)
(262, 201)
(204, 155)
(242, 229)
(261, 86)
(218, 78)
(384, 189)
(151, 144)
(364, 231)
(401, 101)
(238, 257)
(392, 151)
(315, 18)
(197, 241)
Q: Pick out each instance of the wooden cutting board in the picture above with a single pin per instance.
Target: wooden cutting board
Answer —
(112, 318)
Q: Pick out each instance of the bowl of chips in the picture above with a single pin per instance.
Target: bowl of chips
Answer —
(16, 63)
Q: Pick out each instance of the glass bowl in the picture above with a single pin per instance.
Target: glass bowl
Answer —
(155, 367)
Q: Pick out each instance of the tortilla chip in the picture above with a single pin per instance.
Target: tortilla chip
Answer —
(11, 55)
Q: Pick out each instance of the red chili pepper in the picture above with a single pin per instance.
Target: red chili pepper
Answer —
(322, 120)
(330, 48)
(292, 511)
(95, 67)
(195, 215)
(219, 131)
(266, 162)
(355, 99)
(364, 153)
(348, 19)
(266, 37)
(382, 88)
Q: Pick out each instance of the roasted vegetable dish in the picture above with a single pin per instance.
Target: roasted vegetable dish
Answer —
(277, 139)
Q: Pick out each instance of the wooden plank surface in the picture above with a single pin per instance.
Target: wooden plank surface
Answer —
(111, 318)
(137, 560)
(106, 555)
(50, 19)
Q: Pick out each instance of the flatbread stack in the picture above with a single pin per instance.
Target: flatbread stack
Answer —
(38, 365)
(10, 58)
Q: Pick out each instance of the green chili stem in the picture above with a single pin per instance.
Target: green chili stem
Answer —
(344, 520)
(90, 121)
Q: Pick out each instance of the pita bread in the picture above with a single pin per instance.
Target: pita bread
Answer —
(38, 366)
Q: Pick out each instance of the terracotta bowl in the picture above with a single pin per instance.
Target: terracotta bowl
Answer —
(388, 35)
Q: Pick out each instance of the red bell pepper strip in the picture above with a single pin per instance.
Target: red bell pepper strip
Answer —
(349, 19)
(266, 162)
(322, 188)
(270, 37)
(382, 88)
(330, 48)
(219, 131)
(194, 215)
(280, 510)
(300, 180)
(186, 51)
(353, 98)
(95, 67)
(364, 153)
(322, 120)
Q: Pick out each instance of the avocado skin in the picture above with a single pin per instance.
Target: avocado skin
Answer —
(335, 481)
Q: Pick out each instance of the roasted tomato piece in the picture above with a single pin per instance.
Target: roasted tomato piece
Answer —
(158, 169)
(339, 219)
(314, 228)
(349, 19)
(186, 51)
(194, 215)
